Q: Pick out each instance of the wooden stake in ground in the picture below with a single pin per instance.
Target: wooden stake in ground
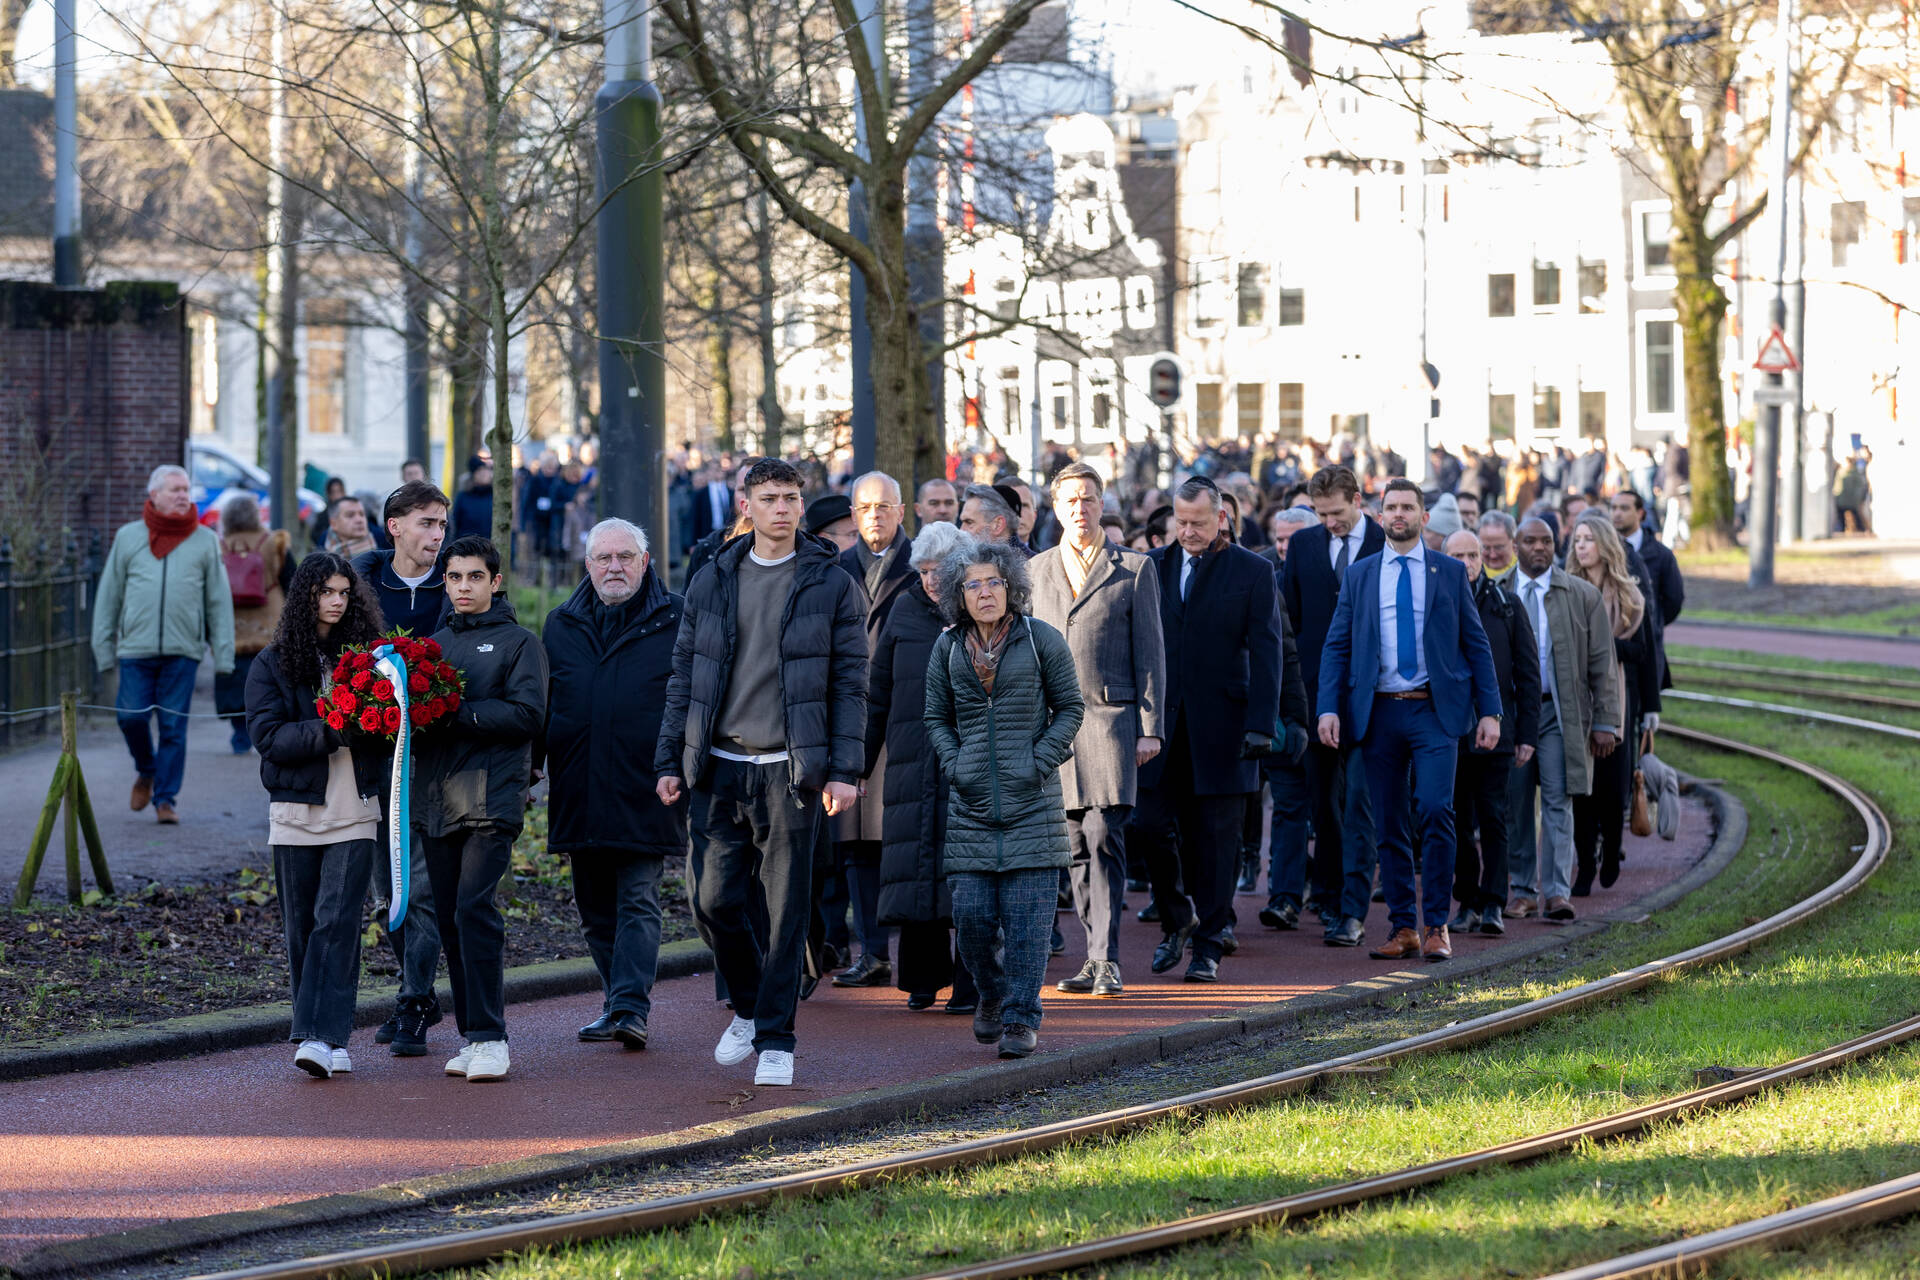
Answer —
(69, 787)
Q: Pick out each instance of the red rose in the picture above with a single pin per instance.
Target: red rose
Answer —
(417, 683)
(420, 716)
(448, 674)
(360, 681)
(431, 648)
(383, 691)
(363, 660)
(453, 700)
(336, 721)
(393, 719)
(343, 698)
(370, 720)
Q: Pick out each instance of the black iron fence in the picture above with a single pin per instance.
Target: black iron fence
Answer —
(46, 628)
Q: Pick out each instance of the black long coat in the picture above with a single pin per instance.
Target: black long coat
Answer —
(864, 821)
(913, 884)
(1516, 664)
(1224, 654)
(1312, 593)
(607, 690)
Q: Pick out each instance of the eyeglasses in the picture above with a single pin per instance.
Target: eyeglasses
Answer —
(875, 508)
(606, 558)
(984, 584)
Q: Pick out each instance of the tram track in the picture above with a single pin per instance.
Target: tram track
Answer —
(468, 1248)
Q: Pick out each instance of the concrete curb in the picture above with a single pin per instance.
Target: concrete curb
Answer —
(269, 1023)
(860, 1110)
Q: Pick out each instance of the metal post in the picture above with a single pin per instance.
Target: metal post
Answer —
(1762, 526)
(1801, 523)
(67, 270)
(633, 453)
(861, 338)
(414, 293)
(926, 270)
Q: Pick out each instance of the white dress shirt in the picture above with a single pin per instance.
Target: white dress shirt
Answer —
(1389, 679)
(1353, 539)
(1634, 539)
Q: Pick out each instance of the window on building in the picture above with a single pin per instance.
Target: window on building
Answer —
(1210, 291)
(1500, 413)
(1546, 411)
(1849, 228)
(1660, 366)
(1250, 405)
(1253, 295)
(1656, 242)
(1010, 408)
(326, 379)
(1293, 307)
(205, 329)
(1593, 415)
(1206, 410)
(1593, 288)
(1546, 284)
(1293, 410)
(1500, 294)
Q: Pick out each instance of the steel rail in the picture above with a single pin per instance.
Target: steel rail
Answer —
(1781, 708)
(468, 1248)
(1829, 677)
(1835, 695)
(1849, 1211)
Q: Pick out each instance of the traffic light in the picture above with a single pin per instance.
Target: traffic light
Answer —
(1163, 382)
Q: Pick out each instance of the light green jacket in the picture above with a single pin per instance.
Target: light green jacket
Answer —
(171, 608)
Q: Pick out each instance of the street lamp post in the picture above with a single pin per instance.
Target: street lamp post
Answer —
(633, 461)
(67, 270)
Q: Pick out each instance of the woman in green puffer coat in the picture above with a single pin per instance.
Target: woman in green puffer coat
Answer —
(1003, 705)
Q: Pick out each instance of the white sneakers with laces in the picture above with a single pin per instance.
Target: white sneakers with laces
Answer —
(776, 1068)
(458, 1063)
(736, 1042)
(342, 1064)
(489, 1061)
(315, 1057)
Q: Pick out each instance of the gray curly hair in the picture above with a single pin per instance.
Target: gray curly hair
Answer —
(1007, 562)
(936, 542)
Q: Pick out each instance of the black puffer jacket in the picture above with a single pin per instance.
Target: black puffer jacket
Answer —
(295, 744)
(913, 884)
(475, 766)
(607, 689)
(823, 669)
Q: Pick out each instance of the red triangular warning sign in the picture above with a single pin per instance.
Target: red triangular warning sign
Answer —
(1775, 356)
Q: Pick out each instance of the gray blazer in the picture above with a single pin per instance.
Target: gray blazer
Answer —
(1113, 631)
(1586, 674)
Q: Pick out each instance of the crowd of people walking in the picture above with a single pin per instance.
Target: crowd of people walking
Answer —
(926, 722)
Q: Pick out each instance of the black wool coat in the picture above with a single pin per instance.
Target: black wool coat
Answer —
(607, 670)
(823, 669)
(913, 881)
(474, 767)
(1516, 664)
(294, 742)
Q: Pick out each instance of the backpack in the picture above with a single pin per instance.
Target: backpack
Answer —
(246, 576)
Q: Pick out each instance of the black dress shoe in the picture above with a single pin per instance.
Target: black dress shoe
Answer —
(1379, 895)
(1228, 942)
(1080, 983)
(600, 1029)
(1315, 907)
(1492, 922)
(867, 971)
(1203, 970)
(1249, 878)
(955, 1004)
(809, 983)
(1172, 947)
(920, 1000)
(1609, 869)
(1057, 945)
(1149, 914)
(1284, 916)
(1583, 883)
(1136, 886)
(630, 1029)
(1345, 933)
(1107, 981)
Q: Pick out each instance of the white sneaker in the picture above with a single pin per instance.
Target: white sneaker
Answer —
(457, 1064)
(489, 1061)
(342, 1064)
(735, 1043)
(315, 1057)
(776, 1067)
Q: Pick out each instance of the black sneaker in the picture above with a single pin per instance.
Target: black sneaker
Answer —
(1228, 942)
(417, 1013)
(986, 1024)
(1017, 1041)
(383, 1034)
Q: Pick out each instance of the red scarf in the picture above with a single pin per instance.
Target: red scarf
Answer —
(164, 533)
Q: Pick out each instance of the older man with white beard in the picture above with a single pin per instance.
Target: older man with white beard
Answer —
(609, 653)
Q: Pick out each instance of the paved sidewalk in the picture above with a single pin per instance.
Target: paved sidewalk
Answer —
(1830, 646)
(223, 810)
(104, 1151)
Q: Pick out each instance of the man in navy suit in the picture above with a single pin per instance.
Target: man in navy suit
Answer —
(1405, 667)
(1220, 626)
(1318, 558)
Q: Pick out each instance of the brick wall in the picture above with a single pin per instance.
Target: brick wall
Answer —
(93, 396)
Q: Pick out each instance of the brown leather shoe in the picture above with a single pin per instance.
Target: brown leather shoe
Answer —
(1402, 945)
(1559, 910)
(1521, 907)
(1436, 946)
(142, 792)
(168, 818)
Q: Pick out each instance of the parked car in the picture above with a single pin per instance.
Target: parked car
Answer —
(218, 472)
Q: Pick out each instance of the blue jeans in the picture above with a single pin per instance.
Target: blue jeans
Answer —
(1405, 737)
(166, 684)
(1004, 920)
(1287, 860)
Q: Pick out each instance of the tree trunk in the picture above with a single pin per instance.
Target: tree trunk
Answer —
(493, 233)
(1701, 305)
(906, 446)
(720, 361)
(772, 416)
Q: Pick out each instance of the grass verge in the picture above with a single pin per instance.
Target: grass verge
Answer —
(1841, 975)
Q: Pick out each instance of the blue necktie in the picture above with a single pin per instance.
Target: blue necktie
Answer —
(1403, 617)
